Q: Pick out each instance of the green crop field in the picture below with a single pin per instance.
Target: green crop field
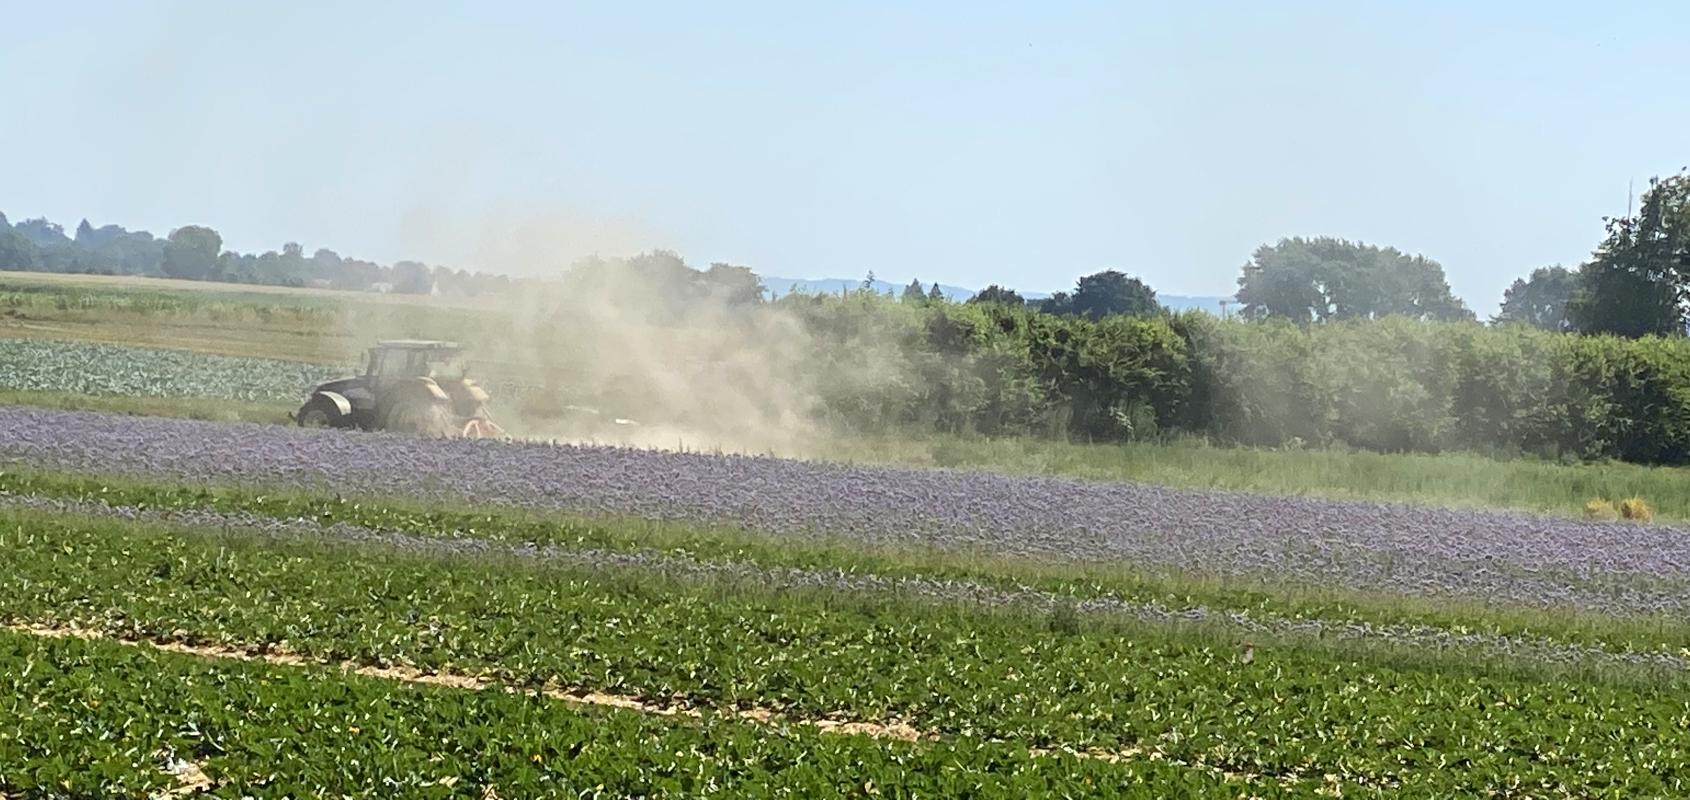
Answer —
(35, 365)
(178, 637)
(100, 719)
(230, 626)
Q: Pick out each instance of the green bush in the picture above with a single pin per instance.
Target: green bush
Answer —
(1404, 385)
(882, 365)
(1394, 385)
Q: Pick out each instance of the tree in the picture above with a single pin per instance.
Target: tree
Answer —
(1618, 301)
(913, 293)
(324, 265)
(16, 252)
(661, 279)
(191, 252)
(1638, 281)
(733, 285)
(356, 274)
(1059, 304)
(1539, 300)
(42, 233)
(658, 283)
(288, 268)
(237, 267)
(935, 295)
(998, 295)
(1112, 292)
(410, 277)
(84, 232)
(1315, 280)
(446, 281)
(1284, 281)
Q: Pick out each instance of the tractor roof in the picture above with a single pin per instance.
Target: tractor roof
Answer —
(417, 344)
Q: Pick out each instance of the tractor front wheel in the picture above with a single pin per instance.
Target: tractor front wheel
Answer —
(319, 412)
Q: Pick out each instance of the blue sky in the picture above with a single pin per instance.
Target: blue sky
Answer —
(971, 143)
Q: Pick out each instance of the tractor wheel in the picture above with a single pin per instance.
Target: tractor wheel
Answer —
(319, 412)
(418, 415)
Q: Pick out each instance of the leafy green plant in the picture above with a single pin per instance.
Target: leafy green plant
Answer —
(1064, 620)
(94, 719)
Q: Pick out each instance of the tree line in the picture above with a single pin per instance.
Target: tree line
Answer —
(195, 252)
(1637, 281)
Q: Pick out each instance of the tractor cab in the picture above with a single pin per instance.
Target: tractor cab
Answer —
(415, 358)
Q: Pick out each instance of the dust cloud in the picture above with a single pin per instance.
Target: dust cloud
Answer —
(638, 351)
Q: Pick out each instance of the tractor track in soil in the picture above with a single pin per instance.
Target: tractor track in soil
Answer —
(194, 781)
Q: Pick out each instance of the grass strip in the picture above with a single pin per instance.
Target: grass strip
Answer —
(202, 408)
(1455, 480)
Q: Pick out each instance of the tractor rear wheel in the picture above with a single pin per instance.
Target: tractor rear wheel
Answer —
(419, 415)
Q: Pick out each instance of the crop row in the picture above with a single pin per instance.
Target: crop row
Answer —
(104, 369)
(1034, 680)
(1586, 637)
(1487, 556)
(1535, 649)
(94, 719)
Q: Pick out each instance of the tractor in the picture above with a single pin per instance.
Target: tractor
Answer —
(408, 385)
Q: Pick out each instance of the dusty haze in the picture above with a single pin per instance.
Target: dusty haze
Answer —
(574, 358)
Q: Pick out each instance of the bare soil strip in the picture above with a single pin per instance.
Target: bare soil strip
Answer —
(194, 781)
(190, 780)
(412, 675)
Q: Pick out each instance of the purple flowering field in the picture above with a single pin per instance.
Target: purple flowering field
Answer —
(1512, 557)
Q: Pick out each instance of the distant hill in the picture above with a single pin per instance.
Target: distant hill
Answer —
(780, 287)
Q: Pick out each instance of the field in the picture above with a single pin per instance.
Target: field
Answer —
(162, 381)
(197, 600)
